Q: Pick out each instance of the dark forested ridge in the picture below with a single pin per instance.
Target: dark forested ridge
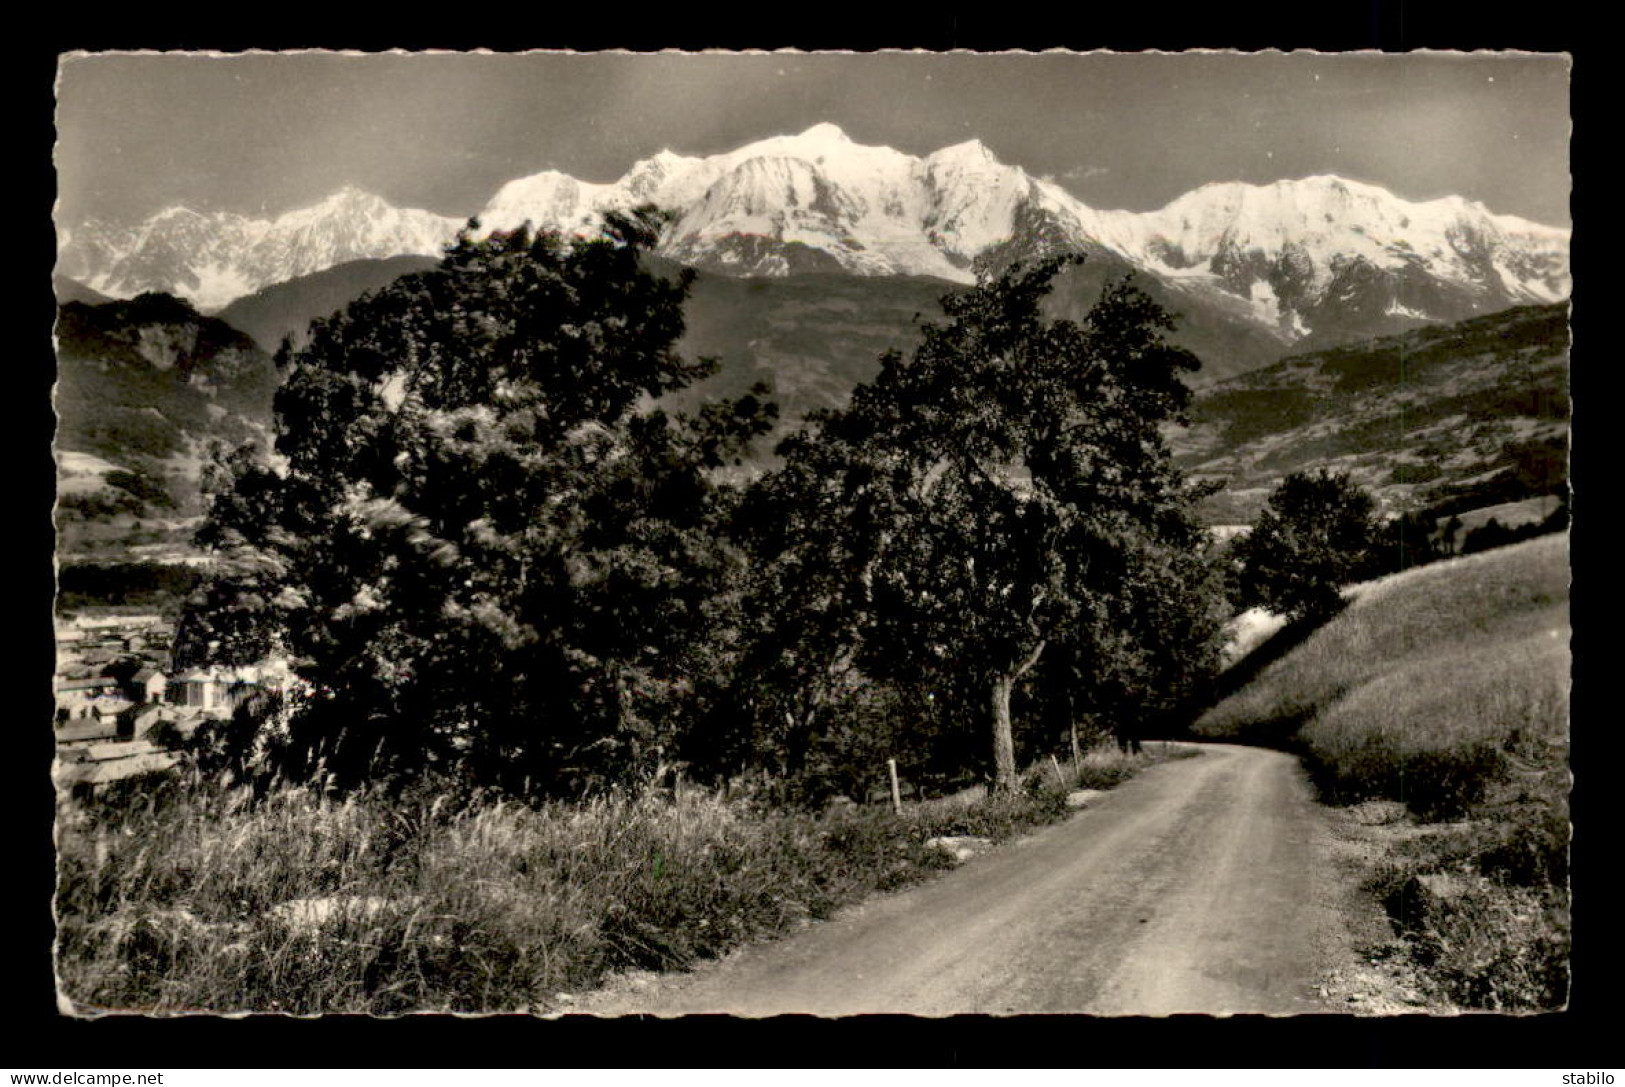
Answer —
(144, 388)
(812, 337)
(285, 310)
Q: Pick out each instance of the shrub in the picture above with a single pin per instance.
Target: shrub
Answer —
(1317, 534)
(143, 487)
(1484, 944)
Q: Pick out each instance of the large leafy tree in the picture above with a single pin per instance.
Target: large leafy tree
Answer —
(477, 543)
(1317, 533)
(984, 499)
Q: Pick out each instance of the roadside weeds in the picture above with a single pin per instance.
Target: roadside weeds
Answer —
(959, 825)
(207, 900)
(1433, 929)
(1370, 972)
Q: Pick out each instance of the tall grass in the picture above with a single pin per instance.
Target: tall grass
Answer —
(202, 899)
(1443, 733)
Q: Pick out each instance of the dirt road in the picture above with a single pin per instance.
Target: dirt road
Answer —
(1200, 886)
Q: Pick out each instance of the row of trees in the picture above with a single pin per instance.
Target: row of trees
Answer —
(486, 552)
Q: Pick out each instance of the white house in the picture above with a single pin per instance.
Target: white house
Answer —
(213, 690)
(148, 685)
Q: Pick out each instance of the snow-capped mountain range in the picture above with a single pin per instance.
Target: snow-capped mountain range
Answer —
(213, 258)
(1298, 256)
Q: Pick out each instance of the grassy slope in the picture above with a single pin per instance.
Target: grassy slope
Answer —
(1446, 688)
(1439, 663)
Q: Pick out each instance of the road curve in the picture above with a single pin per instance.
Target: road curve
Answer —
(1201, 886)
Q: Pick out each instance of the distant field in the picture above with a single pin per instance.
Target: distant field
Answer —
(1432, 686)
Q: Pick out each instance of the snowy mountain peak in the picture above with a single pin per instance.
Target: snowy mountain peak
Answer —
(661, 164)
(824, 133)
(1296, 249)
(548, 199)
(176, 212)
(822, 143)
(350, 196)
(1294, 255)
(350, 203)
(970, 152)
(212, 260)
(643, 183)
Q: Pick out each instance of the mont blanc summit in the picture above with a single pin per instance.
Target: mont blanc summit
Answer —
(1316, 254)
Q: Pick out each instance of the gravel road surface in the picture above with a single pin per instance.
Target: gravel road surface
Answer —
(1202, 886)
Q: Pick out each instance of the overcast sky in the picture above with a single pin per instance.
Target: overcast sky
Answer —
(263, 134)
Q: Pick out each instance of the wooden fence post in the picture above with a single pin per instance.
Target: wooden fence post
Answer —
(896, 793)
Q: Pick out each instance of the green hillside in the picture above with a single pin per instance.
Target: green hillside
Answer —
(1447, 417)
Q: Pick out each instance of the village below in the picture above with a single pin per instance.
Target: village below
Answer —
(124, 710)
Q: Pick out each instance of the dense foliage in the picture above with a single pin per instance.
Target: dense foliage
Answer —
(486, 552)
(1317, 533)
(476, 546)
(997, 500)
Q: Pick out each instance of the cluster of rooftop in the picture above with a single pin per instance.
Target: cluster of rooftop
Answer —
(120, 706)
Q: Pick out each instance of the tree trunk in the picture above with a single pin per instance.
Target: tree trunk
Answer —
(1004, 743)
